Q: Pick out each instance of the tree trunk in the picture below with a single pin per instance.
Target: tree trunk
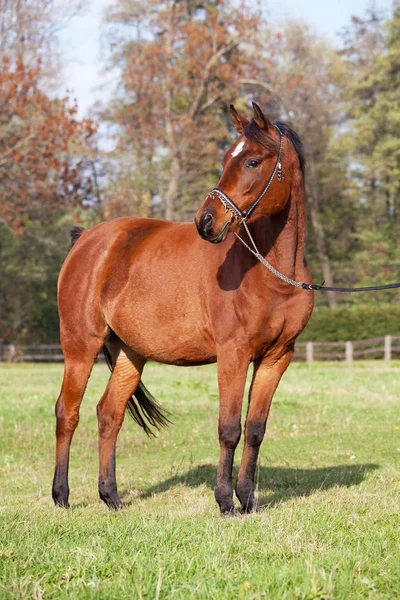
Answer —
(173, 188)
(320, 237)
(174, 170)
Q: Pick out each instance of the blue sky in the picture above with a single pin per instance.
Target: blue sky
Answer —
(83, 47)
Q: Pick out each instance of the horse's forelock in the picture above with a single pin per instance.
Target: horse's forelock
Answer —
(260, 136)
(253, 132)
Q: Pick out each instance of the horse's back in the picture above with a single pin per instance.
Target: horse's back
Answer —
(105, 245)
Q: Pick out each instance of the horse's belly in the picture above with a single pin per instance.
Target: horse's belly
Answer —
(175, 345)
(170, 347)
(162, 333)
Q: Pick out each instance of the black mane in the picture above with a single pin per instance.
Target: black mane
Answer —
(296, 142)
(76, 233)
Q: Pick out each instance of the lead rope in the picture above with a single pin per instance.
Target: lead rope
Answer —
(302, 285)
(262, 260)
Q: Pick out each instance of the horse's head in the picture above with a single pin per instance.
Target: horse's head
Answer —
(256, 178)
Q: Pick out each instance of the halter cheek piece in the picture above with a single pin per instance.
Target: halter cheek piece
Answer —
(229, 205)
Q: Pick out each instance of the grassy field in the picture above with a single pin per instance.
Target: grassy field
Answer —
(328, 524)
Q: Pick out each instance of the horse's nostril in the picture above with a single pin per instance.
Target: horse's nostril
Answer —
(207, 222)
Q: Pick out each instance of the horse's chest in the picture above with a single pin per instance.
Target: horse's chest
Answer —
(264, 331)
(264, 327)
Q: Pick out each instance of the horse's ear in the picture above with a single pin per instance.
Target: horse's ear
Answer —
(260, 119)
(238, 121)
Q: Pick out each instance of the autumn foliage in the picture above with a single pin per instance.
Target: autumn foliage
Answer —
(177, 80)
(42, 144)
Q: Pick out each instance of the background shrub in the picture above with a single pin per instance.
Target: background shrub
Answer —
(351, 323)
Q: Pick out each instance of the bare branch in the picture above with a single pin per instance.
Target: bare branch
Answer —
(17, 146)
(196, 106)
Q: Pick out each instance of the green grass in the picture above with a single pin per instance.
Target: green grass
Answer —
(328, 525)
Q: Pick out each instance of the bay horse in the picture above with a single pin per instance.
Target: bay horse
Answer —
(149, 289)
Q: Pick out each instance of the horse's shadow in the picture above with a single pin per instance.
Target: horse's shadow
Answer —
(274, 484)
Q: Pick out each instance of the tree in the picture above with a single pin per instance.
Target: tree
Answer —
(29, 265)
(41, 147)
(45, 175)
(46, 168)
(28, 33)
(181, 62)
(374, 111)
(372, 50)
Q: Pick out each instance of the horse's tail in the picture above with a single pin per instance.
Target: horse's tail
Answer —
(146, 407)
(76, 233)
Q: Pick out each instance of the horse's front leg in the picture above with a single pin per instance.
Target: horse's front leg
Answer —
(232, 371)
(265, 380)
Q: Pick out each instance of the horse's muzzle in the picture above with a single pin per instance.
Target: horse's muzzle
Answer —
(205, 228)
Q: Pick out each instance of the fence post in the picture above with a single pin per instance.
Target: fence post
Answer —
(388, 347)
(349, 351)
(309, 352)
(11, 352)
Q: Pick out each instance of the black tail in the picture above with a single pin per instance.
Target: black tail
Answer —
(146, 408)
(76, 233)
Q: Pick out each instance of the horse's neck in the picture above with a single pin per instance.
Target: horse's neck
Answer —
(281, 237)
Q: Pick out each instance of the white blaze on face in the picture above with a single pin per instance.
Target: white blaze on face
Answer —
(238, 148)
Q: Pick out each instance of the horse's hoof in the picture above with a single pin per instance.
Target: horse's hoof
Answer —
(112, 500)
(60, 494)
(114, 504)
(230, 512)
(251, 508)
(245, 495)
(109, 494)
(248, 506)
(227, 509)
(61, 503)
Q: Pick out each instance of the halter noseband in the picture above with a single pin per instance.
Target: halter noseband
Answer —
(230, 205)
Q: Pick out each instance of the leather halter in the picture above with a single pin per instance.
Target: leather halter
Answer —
(230, 205)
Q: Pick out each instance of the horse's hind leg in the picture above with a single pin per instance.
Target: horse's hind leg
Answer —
(127, 369)
(266, 378)
(77, 368)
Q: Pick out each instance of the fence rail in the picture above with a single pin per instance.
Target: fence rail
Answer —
(33, 353)
(387, 348)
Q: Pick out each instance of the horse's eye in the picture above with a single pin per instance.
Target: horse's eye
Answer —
(252, 163)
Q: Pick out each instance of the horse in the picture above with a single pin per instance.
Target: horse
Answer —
(191, 294)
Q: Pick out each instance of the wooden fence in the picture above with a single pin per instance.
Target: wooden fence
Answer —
(386, 348)
(33, 353)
